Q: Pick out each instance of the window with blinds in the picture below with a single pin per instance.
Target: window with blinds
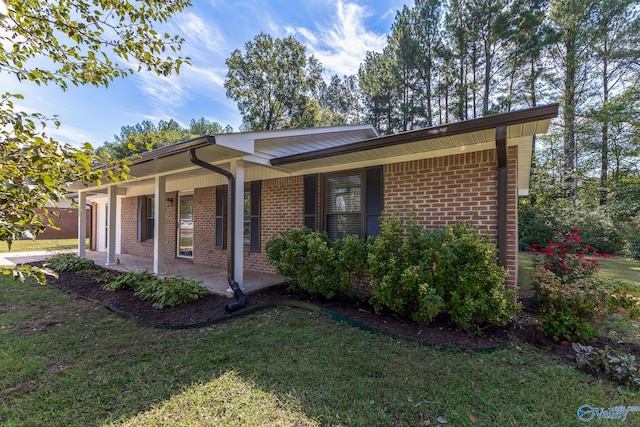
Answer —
(344, 206)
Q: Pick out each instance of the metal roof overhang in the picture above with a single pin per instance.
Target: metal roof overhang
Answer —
(257, 148)
(455, 138)
(170, 160)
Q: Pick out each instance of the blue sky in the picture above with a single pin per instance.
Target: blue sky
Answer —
(337, 32)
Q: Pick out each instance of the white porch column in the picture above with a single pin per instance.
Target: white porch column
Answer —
(82, 224)
(159, 229)
(112, 196)
(237, 169)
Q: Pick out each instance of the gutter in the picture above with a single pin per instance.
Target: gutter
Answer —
(449, 129)
(231, 206)
(501, 148)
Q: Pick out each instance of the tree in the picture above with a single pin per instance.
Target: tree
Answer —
(146, 136)
(460, 41)
(570, 19)
(61, 43)
(274, 83)
(342, 98)
(427, 17)
(376, 82)
(203, 126)
(617, 26)
(529, 36)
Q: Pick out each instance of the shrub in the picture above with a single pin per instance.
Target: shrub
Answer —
(634, 246)
(69, 262)
(309, 260)
(570, 310)
(569, 259)
(421, 274)
(396, 276)
(621, 297)
(170, 291)
(567, 309)
(414, 272)
(536, 226)
(598, 230)
(603, 228)
(128, 281)
(350, 253)
(463, 270)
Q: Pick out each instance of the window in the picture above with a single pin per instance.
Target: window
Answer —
(352, 202)
(146, 217)
(344, 206)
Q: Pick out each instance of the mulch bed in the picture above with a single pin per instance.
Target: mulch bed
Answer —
(211, 309)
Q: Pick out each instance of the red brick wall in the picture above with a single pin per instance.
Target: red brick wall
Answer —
(445, 190)
(281, 209)
(204, 226)
(461, 187)
(66, 219)
(129, 243)
(171, 224)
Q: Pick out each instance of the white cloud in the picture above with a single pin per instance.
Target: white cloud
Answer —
(201, 39)
(342, 46)
(205, 45)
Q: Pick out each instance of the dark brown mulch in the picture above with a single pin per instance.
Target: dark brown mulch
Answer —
(211, 309)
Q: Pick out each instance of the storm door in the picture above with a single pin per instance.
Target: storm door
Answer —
(185, 226)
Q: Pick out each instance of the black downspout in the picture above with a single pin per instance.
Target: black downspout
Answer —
(240, 296)
(501, 148)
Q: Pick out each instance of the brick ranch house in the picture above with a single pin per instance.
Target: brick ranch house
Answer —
(340, 179)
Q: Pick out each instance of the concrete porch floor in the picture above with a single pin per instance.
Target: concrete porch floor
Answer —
(212, 278)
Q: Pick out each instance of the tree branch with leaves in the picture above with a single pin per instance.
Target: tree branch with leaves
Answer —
(60, 43)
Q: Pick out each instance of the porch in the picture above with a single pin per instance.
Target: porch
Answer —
(212, 278)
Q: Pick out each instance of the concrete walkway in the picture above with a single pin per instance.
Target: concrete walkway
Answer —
(212, 278)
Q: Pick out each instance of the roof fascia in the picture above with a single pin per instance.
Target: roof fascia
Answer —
(467, 126)
(172, 149)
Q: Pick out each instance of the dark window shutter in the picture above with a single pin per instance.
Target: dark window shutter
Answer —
(373, 200)
(220, 217)
(256, 191)
(311, 201)
(142, 218)
(139, 217)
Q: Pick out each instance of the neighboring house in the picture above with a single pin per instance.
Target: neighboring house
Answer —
(338, 179)
(65, 221)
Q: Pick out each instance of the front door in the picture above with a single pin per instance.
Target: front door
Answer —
(185, 226)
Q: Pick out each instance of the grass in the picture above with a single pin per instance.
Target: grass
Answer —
(65, 361)
(51, 245)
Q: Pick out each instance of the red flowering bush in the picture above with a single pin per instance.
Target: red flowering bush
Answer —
(569, 260)
(571, 299)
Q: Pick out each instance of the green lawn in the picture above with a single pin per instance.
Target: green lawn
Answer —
(66, 361)
(28, 245)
